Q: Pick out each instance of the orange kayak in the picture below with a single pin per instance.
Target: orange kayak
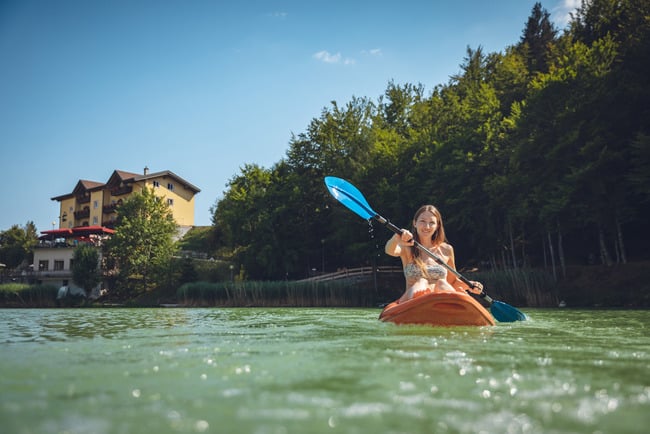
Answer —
(438, 309)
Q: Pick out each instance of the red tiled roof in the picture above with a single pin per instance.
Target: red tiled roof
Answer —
(92, 230)
(57, 232)
(75, 232)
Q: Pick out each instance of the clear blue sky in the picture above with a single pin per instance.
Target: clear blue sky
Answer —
(202, 88)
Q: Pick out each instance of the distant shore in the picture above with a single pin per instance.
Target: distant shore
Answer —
(594, 286)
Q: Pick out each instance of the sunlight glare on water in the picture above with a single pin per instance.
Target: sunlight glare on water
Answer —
(320, 370)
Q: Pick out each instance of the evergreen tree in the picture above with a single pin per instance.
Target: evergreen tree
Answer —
(537, 40)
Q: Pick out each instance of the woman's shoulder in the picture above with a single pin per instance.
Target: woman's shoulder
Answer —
(446, 249)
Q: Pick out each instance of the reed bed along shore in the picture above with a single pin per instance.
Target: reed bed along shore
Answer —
(275, 294)
(25, 295)
(524, 287)
(520, 286)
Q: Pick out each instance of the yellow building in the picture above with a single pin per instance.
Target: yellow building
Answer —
(93, 203)
(87, 216)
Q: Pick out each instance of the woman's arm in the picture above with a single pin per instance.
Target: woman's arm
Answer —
(392, 246)
(395, 245)
(448, 251)
(454, 281)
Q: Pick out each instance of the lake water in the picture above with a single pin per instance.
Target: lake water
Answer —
(320, 371)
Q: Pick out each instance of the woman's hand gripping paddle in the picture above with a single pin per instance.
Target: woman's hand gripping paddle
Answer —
(353, 199)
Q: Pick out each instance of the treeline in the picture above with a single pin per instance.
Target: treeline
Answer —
(17, 247)
(538, 155)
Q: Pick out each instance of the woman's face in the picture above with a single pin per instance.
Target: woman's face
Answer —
(426, 225)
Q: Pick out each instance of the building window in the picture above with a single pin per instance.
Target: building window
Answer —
(95, 204)
(95, 220)
(58, 265)
(43, 265)
(170, 186)
(156, 184)
(170, 202)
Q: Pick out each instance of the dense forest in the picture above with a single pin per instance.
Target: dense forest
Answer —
(537, 156)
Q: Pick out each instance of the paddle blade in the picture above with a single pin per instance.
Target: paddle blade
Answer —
(349, 196)
(503, 312)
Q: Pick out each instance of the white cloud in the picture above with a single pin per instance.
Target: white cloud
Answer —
(561, 14)
(278, 14)
(326, 57)
(372, 52)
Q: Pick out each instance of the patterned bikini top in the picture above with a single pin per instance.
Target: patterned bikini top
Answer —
(434, 272)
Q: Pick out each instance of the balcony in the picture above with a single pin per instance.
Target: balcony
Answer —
(83, 199)
(108, 209)
(119, 191)
(44, 274)
(83, 214)
(47, 244)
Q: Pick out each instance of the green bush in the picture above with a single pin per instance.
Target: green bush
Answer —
(12, 287)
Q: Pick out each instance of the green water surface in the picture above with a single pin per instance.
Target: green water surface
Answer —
(320, 371)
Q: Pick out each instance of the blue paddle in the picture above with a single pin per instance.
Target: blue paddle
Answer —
(353, 199)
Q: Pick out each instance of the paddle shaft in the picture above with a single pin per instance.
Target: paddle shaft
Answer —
(432, 255)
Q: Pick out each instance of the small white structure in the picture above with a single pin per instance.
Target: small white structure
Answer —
(53, 257)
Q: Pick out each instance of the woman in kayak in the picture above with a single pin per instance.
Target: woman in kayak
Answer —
(422, 273)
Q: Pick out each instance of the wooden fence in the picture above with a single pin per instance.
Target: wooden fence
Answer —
(353, 273)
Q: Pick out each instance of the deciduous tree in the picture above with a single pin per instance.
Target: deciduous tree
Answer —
(143, 243)
(85, 267)
(16, 245)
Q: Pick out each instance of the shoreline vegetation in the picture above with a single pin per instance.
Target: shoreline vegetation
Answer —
(617, 286)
